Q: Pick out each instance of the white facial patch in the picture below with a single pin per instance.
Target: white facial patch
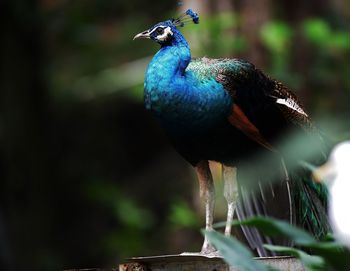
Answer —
(165, 35)
(291, 104)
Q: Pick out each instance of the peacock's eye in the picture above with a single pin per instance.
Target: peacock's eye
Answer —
(160, 30)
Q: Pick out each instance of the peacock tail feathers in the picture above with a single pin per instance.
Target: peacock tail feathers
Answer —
(310, 200)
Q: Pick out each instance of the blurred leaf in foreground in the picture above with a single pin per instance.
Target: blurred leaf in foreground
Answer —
(310, 262)
(235, 253)
(334, 255)
(273, 227)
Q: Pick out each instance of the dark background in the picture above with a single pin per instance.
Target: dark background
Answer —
(87, 176)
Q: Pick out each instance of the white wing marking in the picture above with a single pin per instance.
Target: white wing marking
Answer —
(291, 104)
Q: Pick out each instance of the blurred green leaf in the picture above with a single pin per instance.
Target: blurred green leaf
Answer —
(317, 31)
(122, 241)
(112, 80)
(234, 253)
(182, 215)
(310, 262)
(126, 210)
(273, 227)
(216, 35)
(132, 215)
(225, 19)
(276, 36)
(333, 254)
(340, 40)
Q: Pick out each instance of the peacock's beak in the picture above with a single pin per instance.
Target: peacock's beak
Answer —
(323, 173)
(143, 35)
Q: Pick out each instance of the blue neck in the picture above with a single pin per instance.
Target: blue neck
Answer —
(181, 49)
(171, 60)
(178, 98)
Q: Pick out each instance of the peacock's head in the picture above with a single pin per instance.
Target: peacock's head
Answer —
(165, 32)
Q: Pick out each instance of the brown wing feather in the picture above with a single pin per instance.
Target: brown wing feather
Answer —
(242, 123)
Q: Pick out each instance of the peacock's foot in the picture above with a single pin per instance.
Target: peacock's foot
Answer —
(207, 249)
(207, 254)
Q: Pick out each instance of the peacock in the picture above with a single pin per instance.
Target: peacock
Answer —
(228, 111)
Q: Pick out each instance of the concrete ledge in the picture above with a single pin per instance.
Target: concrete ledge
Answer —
(201, 263)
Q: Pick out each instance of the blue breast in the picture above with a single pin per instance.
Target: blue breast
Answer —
(182, 102)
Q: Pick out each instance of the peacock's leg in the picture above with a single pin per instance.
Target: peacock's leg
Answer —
(229, 175)
(207, 193)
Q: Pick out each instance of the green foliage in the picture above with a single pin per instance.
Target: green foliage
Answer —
(310, 262)
(235, 253)
(215, 36)
(128, 76)
(328, 255)
(276, 36)
(317, 31)
(276, 227)
(131, 220)
(124, 207)
(340, 40)
(182, 216)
